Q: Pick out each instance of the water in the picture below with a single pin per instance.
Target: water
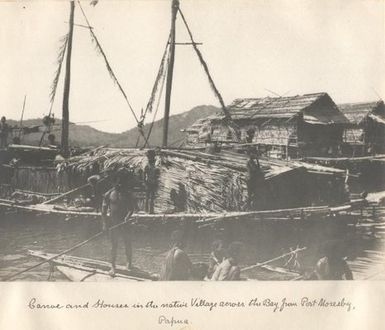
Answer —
(20, 233)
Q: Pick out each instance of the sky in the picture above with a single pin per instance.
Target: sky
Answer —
(252, 47)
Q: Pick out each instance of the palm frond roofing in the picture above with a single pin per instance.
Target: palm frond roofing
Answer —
(317, 108)
(357, 112)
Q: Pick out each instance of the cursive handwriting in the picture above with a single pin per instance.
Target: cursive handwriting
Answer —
(275, 305)
(171, 321)
(33, 304)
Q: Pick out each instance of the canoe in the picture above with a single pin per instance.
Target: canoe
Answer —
(207, 219)
(78, 269)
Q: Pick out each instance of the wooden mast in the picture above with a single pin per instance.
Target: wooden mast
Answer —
(170, 70)
(67, 81)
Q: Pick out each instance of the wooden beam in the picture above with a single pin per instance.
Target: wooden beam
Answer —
(67, 82)
(170, 71)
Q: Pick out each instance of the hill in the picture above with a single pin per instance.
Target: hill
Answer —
(79, 135)
(84, 135)
(176, 123)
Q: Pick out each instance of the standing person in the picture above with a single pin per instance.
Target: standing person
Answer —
(178, 266)
(216, 257)
(332, 266)
(121, 202)
(255, 183)
(151, 176)
(4, 131)
(250, 135)
(95, 193)
(179, 199)
(228, 269)
(52, 141)
(182, 197)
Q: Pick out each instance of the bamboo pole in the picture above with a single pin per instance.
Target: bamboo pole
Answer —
(70, 249)
(274, 259)
(22, 116)
(68, 193)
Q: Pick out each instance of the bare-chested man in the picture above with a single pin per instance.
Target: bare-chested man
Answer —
(178, 266)
(120, 201)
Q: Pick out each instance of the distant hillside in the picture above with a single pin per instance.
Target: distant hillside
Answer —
(84, 135)
(176, 123)
(79, 135)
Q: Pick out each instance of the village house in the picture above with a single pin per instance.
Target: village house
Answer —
(365, 132)
(281, 127)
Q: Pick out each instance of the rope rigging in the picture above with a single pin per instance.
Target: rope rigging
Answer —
(159, 76)
(162, 73)
(160, 80)
(227, 120)
(111, 72)
(49, 120)
(55, 82)
(157, 87)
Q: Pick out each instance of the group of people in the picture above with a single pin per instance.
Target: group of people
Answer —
(6, 130)
(118, 204)
(223, 263)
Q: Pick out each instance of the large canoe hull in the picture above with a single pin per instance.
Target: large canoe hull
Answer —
(79, 269)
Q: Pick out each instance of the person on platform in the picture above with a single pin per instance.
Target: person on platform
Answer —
(120, 202)
(178, 266)
(151, 177)
(95, 194)
(228, 269)
(4, 132)
(216, 257)
(255, 184)
(250, 135)
(52, 141)
(178, 199)
(333, 266)
(16, 140)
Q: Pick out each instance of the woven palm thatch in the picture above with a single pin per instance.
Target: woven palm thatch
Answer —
(357, 112)
(209, 187)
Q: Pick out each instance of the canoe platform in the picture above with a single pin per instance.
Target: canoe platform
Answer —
(315, 213)
(79, 269)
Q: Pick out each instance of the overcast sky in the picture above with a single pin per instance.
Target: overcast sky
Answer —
(286, 46)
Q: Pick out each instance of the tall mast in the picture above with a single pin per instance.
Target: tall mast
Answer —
(67, 81)
(170, 70)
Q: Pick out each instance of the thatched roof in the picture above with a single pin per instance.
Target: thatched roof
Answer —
(317, 108)
(196, 126)
(357, 112)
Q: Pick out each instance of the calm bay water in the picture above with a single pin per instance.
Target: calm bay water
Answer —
(19, 233)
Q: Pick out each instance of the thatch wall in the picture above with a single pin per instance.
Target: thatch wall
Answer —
(40, 179)
(209, 188)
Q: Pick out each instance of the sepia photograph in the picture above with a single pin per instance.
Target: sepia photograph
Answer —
(182, 140)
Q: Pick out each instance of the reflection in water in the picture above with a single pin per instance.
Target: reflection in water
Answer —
(364, 248)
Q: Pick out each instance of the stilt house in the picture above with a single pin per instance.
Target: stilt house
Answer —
(293, 126)
(365, 132)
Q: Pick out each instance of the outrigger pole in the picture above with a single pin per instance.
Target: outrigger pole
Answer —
(67, 81)
(170, 70)
(22, 116)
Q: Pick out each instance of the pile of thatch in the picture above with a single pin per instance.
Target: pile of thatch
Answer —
(209, 187)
